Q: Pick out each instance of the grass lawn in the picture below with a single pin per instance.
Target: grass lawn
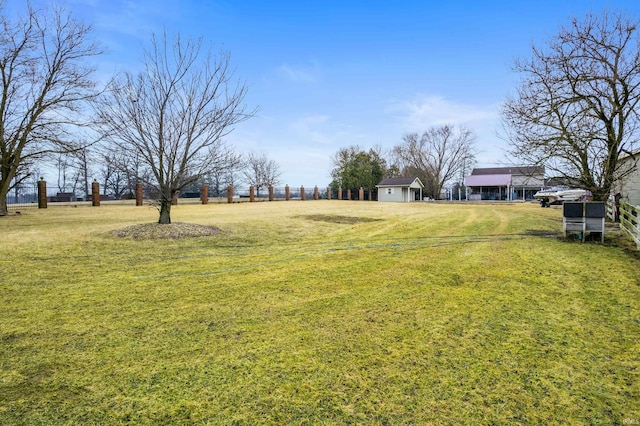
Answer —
(316, 312)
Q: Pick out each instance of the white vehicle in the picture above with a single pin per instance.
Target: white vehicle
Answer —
(560, 194)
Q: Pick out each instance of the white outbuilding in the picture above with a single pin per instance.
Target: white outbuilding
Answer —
(401, 189)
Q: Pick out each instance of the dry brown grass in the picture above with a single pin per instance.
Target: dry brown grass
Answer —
(173, 231)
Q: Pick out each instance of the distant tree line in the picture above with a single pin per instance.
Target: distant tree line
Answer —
(439, 156)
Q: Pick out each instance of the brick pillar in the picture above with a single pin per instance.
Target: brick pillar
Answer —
(328, 192)
(349, 194)
(230, 194)
(204, 197)
(138, 194)
(252, 194)
(95, 194)
(302, 193)
(339, 193)
(174, 199)
(315, 193)
(42, 194)
(361, 194)
(286, 193)
(271, 193)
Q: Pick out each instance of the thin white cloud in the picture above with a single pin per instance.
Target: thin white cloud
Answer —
(421, 113)
(424, 112)
(299, 74)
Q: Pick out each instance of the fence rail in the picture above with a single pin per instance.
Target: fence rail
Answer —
(611, 209)
(629, 222)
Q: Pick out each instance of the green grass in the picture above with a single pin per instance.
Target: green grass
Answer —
(316, 312)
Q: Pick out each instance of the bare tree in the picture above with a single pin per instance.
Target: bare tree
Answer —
(437, 157)
(73, 171)
(83, 170)
(174, 114)
(45, 82)
(64, 172)
(576, 108)
(115, 171)
(224, 173)
(261, 172)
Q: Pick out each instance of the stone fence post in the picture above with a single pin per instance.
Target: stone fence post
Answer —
(42, 194)
(349, 194)
(138, 194)
(286, 193)
(230, 194)
(271, 193)
(361, 194)
(204, 194)
(252, 194)
(328, 193)
(95, 194)
(302, 193)
(315, 193)
(339, 193)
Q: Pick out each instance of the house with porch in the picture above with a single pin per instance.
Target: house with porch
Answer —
(401, 189)
(505, 183)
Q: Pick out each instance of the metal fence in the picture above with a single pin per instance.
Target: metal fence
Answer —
(242, 193)
(26, 196)
(23, 196)
(295, 193)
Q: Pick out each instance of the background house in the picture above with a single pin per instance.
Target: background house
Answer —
(629, 186)
(505, 183)
(403, 189)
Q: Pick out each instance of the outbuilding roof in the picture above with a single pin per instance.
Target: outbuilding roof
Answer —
(400, 181)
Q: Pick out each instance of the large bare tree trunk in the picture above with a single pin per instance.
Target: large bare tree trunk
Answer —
(165, 212)
(3, 206)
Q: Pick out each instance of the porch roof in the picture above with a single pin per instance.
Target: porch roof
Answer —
(488, 180)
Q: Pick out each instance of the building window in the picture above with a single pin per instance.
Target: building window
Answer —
(389, 191)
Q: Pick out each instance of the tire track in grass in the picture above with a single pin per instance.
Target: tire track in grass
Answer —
(326, 249)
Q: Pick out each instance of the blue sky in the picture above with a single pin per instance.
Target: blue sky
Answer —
(329, 74)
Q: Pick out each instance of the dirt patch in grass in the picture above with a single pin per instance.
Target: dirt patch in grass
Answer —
(173, 231)
(347, 220)
(541, 233)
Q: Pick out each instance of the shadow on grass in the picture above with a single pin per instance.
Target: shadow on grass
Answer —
(345, 220)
